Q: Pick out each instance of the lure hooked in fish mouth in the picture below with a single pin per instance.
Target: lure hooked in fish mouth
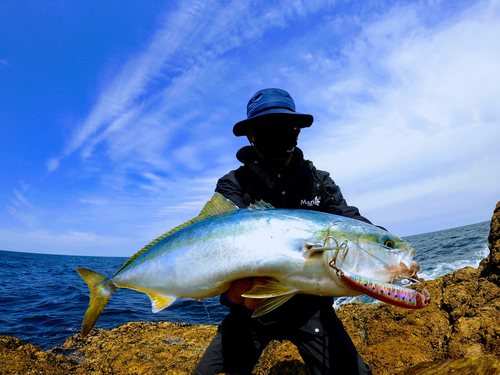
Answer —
(403, 270)
(387, 292)
(408, 271)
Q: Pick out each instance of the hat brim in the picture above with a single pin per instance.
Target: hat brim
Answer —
(241, 127)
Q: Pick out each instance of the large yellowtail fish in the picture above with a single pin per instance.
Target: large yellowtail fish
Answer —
(296, 251)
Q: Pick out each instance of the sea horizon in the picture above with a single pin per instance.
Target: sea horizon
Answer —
(43, 298)
(128, 256)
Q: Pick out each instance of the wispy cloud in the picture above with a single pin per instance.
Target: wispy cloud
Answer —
(20, 199)
(69, 243)
(429, 122)
(159, 89)
(404, 95)
(21, 209)
(52, 164)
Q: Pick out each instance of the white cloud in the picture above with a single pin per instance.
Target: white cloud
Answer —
(52, 164)
(20, 199)
(430, 121)
(109, 222)
(406, 109)
(159, 89)
(69, 243)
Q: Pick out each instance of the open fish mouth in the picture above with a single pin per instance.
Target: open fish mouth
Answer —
(404, 271)
(370, 259)
(390, 293)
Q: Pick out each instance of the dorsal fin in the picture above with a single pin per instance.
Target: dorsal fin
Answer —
(260, 205)
(217, 205)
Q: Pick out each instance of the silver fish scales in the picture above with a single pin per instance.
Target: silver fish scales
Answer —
(292, 250)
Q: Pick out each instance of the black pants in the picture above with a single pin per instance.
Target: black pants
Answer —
(323, 343)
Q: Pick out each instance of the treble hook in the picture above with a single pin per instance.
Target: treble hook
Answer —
(343, 246)
(413, 281)
(410, 279)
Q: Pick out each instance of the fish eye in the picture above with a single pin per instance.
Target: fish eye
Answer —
(388, 243)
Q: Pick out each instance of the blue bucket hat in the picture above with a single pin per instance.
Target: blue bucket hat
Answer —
(274, 102)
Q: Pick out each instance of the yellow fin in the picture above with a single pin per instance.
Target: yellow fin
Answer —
(159, 302)
(269, 288)
(271, 304)
(217, 205)
(101, 288)
(260, 205)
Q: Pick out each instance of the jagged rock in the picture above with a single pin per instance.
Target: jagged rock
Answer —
(462, 320)
(482, 365)
(166, 348)
(491, 264)
(17, 357)
(459, 332)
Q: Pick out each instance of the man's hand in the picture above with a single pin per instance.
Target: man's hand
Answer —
(242, 286)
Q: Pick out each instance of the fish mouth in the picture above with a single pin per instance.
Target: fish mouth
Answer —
(366, 260)
(403, 270)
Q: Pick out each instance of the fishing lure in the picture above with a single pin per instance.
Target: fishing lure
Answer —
(389, 293)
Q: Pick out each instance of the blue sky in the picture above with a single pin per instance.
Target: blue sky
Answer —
(117, 116)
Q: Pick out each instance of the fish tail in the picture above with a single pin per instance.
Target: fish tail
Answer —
(101, 288)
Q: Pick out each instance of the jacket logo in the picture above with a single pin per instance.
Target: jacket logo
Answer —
(313, 202)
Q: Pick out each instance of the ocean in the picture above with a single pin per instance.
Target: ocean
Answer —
(43, 299)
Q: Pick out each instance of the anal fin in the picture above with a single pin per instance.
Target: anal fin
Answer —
(159, 302)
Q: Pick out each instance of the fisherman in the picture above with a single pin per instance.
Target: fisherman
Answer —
(274, 170)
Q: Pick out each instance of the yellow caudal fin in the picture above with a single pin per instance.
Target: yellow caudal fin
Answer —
(101, 289)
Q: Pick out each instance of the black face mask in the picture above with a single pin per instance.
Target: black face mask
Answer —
(275, 140)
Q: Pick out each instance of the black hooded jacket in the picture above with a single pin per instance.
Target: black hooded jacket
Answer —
(299, 186)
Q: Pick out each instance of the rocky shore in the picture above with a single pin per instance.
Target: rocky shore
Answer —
(458, 333)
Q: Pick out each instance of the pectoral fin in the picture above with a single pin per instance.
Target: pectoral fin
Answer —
(271, 304)
(269, 288)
